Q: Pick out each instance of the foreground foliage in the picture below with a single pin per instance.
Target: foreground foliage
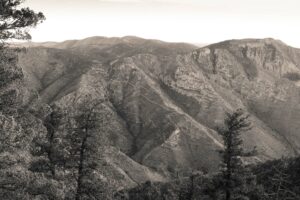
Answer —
(276, 180)
(268, 181)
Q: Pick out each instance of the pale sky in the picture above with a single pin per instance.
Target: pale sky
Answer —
(193, 21)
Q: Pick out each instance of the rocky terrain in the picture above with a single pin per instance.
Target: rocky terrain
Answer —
(163, 102)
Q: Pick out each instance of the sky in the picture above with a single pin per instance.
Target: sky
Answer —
(192, 21)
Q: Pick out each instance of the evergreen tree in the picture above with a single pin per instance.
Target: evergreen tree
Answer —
(237, 181)
(48, 146)
(52, 122)
(14, 24)
(280, 178)
(15, 181)
(187, 191)
(86, 142)
(14, 20)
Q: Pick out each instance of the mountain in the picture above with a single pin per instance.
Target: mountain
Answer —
(166, 100)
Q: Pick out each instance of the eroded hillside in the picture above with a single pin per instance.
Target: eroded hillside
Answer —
(165, 101)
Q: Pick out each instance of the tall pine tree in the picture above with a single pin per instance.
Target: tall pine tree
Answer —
(237, 181)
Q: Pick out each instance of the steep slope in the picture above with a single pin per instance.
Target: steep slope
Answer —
(259, 72)
(52, 68)
(52, 71)
(167, 100)
(66, 77)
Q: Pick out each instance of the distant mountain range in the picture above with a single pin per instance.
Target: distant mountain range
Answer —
(166, 100)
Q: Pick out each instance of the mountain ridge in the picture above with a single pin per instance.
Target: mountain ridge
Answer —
(167, 100)
(94, 40)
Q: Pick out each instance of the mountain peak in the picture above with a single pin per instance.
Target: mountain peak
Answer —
(250, 42)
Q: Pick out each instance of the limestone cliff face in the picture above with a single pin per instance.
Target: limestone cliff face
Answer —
(165, 101)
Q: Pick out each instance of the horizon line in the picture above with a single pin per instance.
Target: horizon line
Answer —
(200, 44)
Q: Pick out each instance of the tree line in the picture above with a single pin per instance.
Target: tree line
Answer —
(235, 180)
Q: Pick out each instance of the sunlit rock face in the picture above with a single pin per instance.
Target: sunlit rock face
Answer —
(165, 101)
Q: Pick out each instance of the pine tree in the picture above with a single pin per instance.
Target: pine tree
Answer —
(280, 178)
(14, 24)
(237, 180)
(52, 122)
(15, 180)
(14, 20)
(86, 142)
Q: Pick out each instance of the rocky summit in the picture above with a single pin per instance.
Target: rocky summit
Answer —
(162, 103)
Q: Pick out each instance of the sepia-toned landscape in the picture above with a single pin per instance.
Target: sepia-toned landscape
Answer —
(143, 119)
